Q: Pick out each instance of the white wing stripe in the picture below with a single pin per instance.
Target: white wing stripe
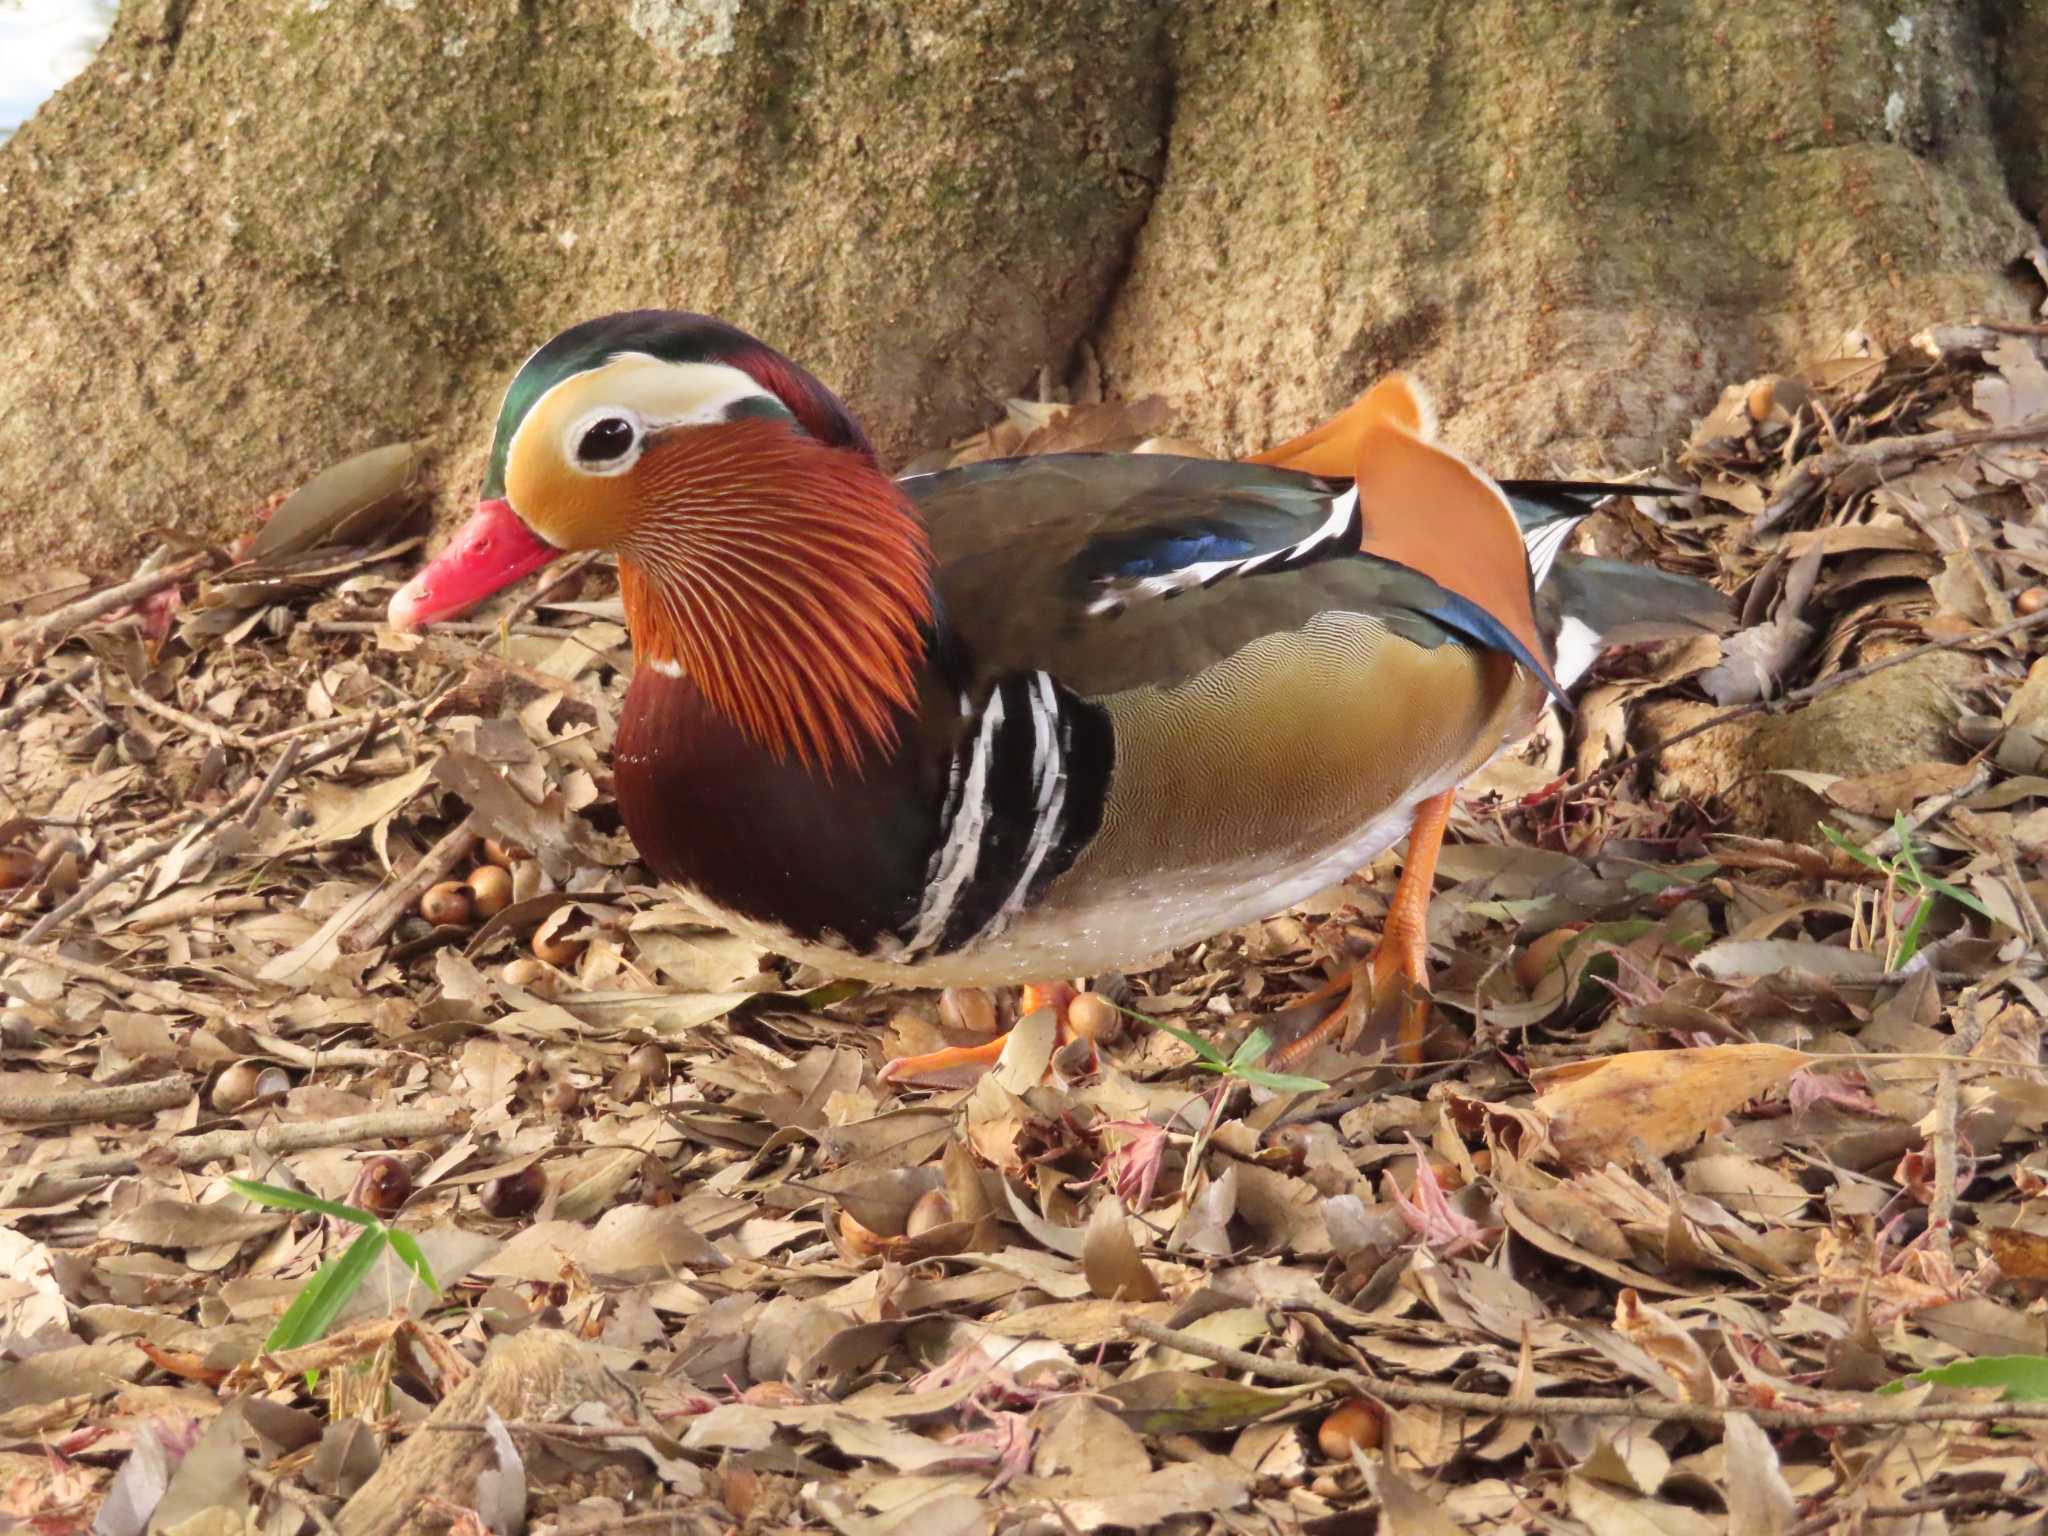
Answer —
(1342, 523)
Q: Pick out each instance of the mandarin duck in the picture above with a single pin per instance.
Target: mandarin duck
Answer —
(1035, 717)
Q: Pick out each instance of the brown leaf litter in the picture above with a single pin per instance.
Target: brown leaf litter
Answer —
(1746, 1125)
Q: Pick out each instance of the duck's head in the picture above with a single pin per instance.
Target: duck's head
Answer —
(763, 554)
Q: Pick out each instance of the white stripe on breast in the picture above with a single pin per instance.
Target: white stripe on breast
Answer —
(962, 850)
(1049, 799)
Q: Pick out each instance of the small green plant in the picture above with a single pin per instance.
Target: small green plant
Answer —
(1903, 872)
(1242, 1064)
(2019, 1378)
(321, 1299)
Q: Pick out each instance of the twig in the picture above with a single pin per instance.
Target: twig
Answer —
(367, 1057)
(593, 1433)
(1800, 697)
(271, 1140)
(1980, 1498)
(246, 802)
(191, 904)
(156, 991)
(1414, 1395)
(1887, 842)
(1941, 1208)
(2030, 912)
(680, 1518)
(35, 698)
(124, 1101)
(561, 575)
(1807, 475)
(53, 626)
(391, 904)
(446, 627)
(219, 735)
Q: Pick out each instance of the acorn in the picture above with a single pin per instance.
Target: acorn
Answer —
(1353, 1425)
(646, 1068)
(446, 905)
(859, 1241)
(557, 948)
(490, 890)
(968, 1009)
(17, 867)
(2033, 600)
(933, 1209)
(504, 855)
(382, 1187)
(1094, 1017)
(1763, 394)
(514, 1194)
(244, 1082)
(558, 1095)
(1543, 955)
(526, 972)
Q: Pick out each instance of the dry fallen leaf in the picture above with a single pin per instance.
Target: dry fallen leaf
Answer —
(1664, 1100)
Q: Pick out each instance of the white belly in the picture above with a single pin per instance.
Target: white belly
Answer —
(1137, 922)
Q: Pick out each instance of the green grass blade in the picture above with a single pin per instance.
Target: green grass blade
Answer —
(1855, 850)
(295, 1200)
(1210, 1056)
(1254, 1046)
(408, 1250)
(1279, 1082)
(320, 1301)
(2024, 1378)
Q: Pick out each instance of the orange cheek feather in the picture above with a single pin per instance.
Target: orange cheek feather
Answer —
(789, 581)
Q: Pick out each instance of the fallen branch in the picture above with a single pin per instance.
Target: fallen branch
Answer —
(55, 625)
(394, 901)
(218, 735)
(124, 1101)
(137, 986)
(269, 1140)
(1408, 1394)
(1800, 697)
(1806, 476)
(33, 699)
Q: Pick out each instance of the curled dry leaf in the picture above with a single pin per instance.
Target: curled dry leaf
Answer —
(1664, 1100)
(1115, 1269)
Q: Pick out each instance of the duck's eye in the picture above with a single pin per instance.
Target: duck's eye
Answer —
(607, 438)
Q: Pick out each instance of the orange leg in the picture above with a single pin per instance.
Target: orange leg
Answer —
(1392, 984)
(964, 1063)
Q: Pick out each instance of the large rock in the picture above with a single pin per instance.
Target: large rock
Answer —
(1577, 221)
(256, 235)
(1891, 719)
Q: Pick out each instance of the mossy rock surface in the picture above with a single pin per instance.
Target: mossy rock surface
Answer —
(1892, 719)
(1577, 221)
(258, 235)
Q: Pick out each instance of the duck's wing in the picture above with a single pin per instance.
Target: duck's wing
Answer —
(1114, 572)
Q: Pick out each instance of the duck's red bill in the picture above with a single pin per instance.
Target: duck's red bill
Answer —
(490, 552)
